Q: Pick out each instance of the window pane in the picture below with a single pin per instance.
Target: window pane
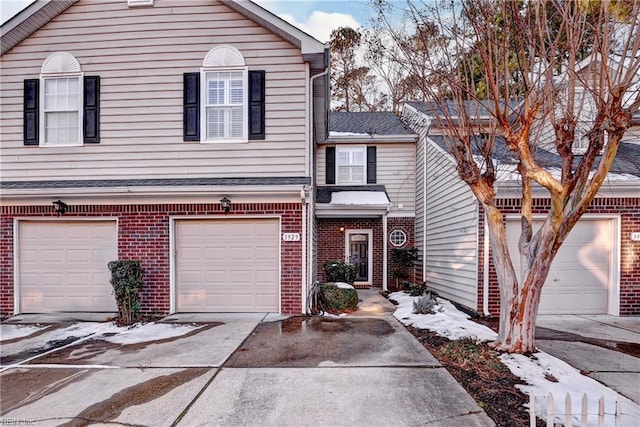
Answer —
(61, 128)
(215, 123)
(236, 122)
(215, 93)
(236, 92)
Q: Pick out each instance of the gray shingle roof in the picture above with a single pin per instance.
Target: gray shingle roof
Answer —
(373, 123)
(474, 108)
(627, 160)
(110, 183)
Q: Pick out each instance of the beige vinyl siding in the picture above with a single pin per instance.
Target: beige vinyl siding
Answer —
(451, 231)
(395, 169)
(140, 55)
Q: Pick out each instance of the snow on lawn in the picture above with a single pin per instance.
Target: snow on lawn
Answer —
(448, 321)
(9, 332)
(150, 332)
(534, 369)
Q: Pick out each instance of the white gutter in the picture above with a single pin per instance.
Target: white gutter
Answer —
(384, 251)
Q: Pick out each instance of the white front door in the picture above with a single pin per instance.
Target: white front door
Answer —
(358, 250)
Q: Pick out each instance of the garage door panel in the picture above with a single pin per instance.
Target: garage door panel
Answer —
(578, 280)
(63, 265)
(237, 260)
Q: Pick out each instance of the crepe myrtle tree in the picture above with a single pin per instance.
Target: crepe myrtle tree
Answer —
(557, 74)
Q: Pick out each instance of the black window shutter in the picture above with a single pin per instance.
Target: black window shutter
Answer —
(256, 104)
(91, 116)
(191, 107)
(31, 128)
(371, 165)
(331, 165)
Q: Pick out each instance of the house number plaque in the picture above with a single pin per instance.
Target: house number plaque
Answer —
(290, 237)
(635, 236)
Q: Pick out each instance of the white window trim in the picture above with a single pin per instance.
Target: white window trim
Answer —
(245, 105)
(364, 165)
(398, 245)
(41, 110)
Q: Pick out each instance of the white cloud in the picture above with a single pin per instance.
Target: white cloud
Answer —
(320, 24)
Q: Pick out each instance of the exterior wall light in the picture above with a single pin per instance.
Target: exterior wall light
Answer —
(61, 207)
(226, 204)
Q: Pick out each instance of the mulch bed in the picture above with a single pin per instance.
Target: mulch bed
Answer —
(477, 368)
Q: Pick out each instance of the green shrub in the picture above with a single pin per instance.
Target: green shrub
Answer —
(338, 300)
(415, 289)
(126, 280)
(426, 304)
(339, 271)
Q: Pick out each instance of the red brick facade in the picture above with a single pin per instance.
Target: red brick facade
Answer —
(331, 241)
(629, 211)
(143, 234)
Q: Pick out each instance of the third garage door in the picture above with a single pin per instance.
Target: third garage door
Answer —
(579, 279)
(227, 265)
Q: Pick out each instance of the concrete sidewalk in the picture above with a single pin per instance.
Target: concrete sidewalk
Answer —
(361, 370)
(589, 343)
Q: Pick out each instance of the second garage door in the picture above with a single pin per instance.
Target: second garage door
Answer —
(227, 265)
(579, 279)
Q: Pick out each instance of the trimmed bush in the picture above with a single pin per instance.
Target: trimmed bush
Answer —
(339, 271)
(426, 304)
(126, 280)
(338, 299)
(415, 289)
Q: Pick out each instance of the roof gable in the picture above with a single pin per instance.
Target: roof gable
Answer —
(39, 13)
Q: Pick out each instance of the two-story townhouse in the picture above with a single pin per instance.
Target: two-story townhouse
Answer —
(365, 193)
(174, 132)
(596, 271)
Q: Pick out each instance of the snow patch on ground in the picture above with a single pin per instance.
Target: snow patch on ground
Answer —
(448, 321)
(10, 332)
(536, 369)
(150, 332)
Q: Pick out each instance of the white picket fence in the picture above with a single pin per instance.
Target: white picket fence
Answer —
(555, 416)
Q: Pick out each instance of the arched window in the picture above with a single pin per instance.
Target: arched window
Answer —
(224, 82)
(61, 98)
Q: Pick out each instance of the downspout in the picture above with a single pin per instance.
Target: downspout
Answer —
(303, 201)
(310, 212)
(384, 250)
(485, 273)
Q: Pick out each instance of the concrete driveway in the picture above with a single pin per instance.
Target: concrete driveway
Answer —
(230, 370)
(606, 348)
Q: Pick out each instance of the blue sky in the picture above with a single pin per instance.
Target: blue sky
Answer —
(316, 17)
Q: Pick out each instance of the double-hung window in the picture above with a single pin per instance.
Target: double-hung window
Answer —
(351, 165)
(62, 110)
(62, 106)
(225, 105)
(224, 101)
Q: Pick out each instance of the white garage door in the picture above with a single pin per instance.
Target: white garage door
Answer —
(578, 282)
(62, 266)
(227, 265)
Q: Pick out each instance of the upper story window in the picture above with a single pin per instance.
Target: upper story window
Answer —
(62, 106)
(61, 110)
(351, 165)
(225, 105)
(61, 100)
(225, 101)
